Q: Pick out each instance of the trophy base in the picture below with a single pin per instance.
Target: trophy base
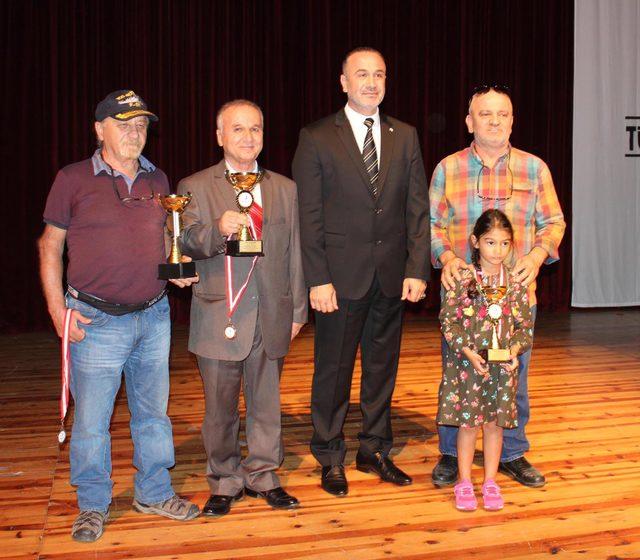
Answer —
(169, 271)
(239, 248)
(498, 355)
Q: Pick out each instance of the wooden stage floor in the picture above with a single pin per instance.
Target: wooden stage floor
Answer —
(585, 434)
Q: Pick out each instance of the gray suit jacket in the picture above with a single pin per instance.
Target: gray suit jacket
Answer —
(276, 295)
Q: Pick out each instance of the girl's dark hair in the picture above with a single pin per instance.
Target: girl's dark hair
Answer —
(489, 219)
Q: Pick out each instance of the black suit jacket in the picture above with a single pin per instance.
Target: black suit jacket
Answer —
(347, 236)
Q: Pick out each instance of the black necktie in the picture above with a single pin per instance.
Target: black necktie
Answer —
(370, 157)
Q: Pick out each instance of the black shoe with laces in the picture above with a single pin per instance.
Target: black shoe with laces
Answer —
(334, 481)
(276, 497)
(523, 472)
(383, 467)
(445, 473)
(219, 504)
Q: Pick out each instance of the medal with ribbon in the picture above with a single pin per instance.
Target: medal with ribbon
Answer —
(233, 300)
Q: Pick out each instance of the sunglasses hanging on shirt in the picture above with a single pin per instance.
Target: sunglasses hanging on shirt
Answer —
(127, 198)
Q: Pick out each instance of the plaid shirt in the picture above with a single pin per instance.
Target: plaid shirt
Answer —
(461, 180)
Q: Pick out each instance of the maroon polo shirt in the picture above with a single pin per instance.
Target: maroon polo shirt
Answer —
(113, 248)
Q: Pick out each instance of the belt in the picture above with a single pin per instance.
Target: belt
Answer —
(113, 308)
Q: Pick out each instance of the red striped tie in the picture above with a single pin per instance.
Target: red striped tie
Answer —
(256, 218)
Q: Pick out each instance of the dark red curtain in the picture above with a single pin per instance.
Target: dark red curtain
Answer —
(186, 58)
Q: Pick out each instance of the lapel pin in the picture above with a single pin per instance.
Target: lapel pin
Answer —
(390, 129)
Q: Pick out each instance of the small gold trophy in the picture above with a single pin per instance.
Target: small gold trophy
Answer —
(244, 244)
(175, 204)
(494, 294)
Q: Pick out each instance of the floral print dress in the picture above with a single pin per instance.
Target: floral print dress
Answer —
(466, 397)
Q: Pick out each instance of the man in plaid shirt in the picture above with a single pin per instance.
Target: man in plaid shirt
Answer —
(492, 174)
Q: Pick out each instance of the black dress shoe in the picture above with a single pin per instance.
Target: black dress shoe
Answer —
(445, 473)
(334, 480)
(276, 498)
(523, 472)
(218, 504)
(383, 467)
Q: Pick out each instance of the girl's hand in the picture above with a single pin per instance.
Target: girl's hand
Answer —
(478, 363)
(512, 365)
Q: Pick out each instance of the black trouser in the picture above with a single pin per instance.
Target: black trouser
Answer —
(374, 322)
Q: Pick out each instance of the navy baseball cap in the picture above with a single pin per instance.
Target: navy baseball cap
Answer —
(123, 105)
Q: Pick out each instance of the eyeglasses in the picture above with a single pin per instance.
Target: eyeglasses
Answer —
(128, 198)
(509, 173)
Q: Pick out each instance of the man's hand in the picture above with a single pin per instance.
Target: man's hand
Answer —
(295, 329)
(323, 298)
(477, 361)
(184, 282)
(413, 289)
(76, 334)
(452, 267)
(230, 222)
(526, 268)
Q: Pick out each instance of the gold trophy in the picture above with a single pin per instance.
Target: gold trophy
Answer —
(175, 204)
(494, 295)
(244, 244)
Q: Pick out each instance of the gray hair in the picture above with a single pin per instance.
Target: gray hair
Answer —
(236, 103)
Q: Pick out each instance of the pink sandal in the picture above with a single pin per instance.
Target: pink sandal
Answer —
(491, 496)
(465, 497)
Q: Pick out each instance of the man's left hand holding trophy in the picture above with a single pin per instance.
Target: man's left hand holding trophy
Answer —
(179, 268)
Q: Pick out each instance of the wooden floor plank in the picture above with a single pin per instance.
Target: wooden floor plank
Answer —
(584, 388)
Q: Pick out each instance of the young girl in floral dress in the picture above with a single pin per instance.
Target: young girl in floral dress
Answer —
(476, 393)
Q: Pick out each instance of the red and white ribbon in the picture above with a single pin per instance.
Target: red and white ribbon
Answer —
(65, 375)
(234, 301)
(255, 220)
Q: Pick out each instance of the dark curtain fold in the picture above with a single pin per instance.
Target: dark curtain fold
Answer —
(186, 58)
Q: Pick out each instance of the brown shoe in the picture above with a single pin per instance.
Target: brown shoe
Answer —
(89, 525)
(175, 507)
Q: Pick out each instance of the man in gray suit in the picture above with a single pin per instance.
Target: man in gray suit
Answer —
(244, 313)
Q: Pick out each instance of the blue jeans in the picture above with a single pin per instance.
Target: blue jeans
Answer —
(137, 343)
(514, 443)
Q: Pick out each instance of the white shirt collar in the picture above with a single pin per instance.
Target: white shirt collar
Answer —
(357, 119)
(255, 169)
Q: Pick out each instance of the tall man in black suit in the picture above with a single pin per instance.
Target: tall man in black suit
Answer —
(364, 225)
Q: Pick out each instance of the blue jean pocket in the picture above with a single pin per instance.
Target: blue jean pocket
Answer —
(98, 318)
(161, 309)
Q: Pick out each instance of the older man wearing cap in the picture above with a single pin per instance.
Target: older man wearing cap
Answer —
(105, 209)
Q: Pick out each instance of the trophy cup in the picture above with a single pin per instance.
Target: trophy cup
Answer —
(244, 244)
(175, 204)
(494, 294)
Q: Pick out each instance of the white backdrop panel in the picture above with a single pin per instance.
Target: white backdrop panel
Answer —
(606, 155)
